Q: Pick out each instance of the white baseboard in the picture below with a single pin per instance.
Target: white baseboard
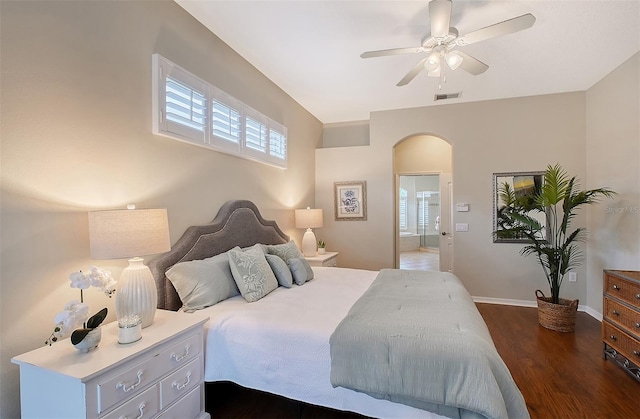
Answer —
(526, 303)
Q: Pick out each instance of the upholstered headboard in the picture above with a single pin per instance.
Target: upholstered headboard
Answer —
(238, 223)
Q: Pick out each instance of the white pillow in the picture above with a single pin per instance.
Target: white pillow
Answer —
(252, 273)
(203, 283)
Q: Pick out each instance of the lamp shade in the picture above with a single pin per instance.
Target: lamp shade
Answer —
(308, 218)
(119, 234)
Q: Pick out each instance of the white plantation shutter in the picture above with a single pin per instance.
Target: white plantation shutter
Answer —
(277, 144)
(255, 135)
(189, 109)
(185, 106)
(226, 122)
(403, 209)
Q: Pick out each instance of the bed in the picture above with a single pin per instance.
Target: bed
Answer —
(291, 341)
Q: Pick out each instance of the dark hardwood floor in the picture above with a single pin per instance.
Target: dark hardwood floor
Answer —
(561, 375)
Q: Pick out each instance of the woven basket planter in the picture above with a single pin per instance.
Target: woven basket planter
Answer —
(559, 317)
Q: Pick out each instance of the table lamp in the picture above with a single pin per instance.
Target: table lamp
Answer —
(130, 233)
(309, 218)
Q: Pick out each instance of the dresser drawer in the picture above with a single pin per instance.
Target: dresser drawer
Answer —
(622, 289)
(144, 405)
(188, 407)
(127, 382)
(622, 342)
(622, 315)
(180, 382)
(183, 352)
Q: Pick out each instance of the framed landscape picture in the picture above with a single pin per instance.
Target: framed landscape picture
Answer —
(350, 201)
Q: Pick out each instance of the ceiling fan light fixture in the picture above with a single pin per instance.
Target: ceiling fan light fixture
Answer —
(433, 62)
(434, 72)
(453, 60)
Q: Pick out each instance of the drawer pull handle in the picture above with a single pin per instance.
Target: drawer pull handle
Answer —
(179, 358)
(616, 313)
(638, 325)
(636, 353)
(615, 287)
(122, 385)
(613, 337)
(638, 296)
(179, 386)
(140, 409)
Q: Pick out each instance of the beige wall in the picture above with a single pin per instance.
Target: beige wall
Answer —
(76, 136)
(420, 153)
(486, 137)
(613, 160)
(345, 134)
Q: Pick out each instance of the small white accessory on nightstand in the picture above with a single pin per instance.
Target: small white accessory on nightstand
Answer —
(309, 218)
(129, 329)
(118, 234)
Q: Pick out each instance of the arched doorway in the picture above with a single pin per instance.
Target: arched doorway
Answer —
(422, 165)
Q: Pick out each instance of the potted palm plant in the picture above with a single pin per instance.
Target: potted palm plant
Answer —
(557, 251)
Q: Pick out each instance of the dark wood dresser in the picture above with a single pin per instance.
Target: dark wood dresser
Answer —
(621, 323)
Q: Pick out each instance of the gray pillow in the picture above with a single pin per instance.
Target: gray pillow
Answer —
(285, 251)
(300, 270)
(203, 283)
(281, 270)
(252, 273)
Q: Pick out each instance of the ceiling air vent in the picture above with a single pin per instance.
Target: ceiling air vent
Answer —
(445, 96)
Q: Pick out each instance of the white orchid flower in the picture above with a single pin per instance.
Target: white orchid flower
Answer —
(79, 280)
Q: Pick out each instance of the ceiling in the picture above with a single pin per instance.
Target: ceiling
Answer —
(311, 49)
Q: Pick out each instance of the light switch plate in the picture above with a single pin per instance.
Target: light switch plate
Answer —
(462, 226)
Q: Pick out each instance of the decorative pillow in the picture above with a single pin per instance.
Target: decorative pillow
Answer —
(281, 270)
(203, 283)
(252, 273)
(285, 251)
(300, 270)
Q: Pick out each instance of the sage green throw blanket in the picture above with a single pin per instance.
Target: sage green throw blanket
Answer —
(417, 338)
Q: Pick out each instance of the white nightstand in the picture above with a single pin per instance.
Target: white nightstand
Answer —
(328, 259)
(162, 374)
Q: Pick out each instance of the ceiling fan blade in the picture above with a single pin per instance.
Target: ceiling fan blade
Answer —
(471, 65)
(413, 73)
(503, 28)
(440, 17)
(392, 51)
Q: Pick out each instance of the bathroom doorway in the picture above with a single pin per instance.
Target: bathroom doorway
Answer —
(423, 190)
(419, 221)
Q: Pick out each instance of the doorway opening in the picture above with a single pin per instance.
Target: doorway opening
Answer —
(423, 188)
(419, 221)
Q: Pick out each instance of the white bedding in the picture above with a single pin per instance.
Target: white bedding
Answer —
(280, 344)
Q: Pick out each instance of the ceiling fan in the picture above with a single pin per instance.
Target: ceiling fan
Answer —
(443, 41)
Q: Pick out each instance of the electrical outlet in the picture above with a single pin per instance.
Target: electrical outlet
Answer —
(573, 277)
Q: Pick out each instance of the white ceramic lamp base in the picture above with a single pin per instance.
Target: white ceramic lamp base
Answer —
(137, 294)
(309, 243)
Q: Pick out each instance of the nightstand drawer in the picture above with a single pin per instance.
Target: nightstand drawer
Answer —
(622, 289)
(622, 342)
(183, 352)
(144, 405)
(622, 315)
(180, 382)
(125, 383)
(186, 408)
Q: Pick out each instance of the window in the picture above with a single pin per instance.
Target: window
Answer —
(403, 209)
(189, 109)
(423, 208)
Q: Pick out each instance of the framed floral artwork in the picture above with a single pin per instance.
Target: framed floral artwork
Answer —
(350, 201)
